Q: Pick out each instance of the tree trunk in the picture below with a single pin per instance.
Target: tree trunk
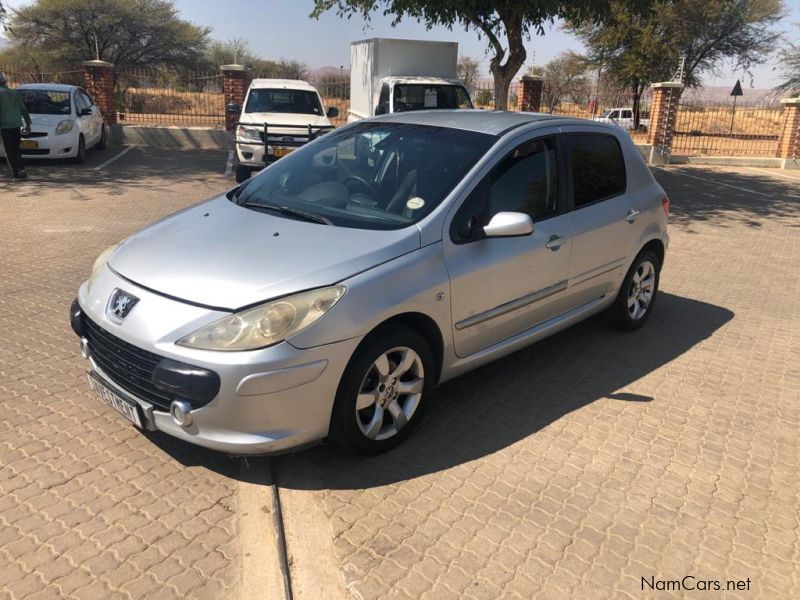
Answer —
(637, 95)
(504, 73)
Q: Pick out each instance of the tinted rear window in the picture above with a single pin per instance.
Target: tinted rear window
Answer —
(598, 167)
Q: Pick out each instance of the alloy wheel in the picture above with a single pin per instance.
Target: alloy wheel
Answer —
(642, 288)
(390, 393)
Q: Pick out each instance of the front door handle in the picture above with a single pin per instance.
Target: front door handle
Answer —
(555, 242)
(630, 217)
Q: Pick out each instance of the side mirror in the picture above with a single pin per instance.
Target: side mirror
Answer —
(84, 112)
(509, 224)
(333, 112)
(232, 108)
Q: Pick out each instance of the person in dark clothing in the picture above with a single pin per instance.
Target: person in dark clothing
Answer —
(12, 113)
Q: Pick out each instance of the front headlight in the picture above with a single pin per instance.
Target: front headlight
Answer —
(266, 324)
(64, 126)
(248, 133)
(100, 262)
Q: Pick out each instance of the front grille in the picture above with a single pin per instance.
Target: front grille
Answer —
(129, 367)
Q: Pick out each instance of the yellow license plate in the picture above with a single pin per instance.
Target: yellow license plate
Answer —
(282, 151)
(29, 145)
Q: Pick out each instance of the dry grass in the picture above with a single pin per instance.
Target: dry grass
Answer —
(701, 130)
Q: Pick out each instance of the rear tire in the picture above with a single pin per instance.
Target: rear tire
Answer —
(243, 173)
(383, 391)
(637, 295)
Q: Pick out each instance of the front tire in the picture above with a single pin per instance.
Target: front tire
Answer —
(80, 157)
(383, 391)
(243, 173)
(637, 295)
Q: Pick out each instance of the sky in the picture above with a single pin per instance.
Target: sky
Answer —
(283, 29)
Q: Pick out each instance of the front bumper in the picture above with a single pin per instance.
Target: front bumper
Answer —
(48, 145)
(269, 400)
(252, 155)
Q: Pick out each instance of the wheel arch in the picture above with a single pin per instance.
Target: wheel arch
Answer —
(422, 324)
(657, 246)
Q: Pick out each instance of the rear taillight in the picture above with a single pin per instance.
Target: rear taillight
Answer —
(665, 205)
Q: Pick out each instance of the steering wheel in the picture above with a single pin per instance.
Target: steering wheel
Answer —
(362, 183)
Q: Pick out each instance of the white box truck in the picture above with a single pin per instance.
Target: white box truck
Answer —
(390, 75)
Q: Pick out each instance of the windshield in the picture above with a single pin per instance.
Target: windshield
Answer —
(425, 97)
(283, 101)
(368, 176)
(46, 102)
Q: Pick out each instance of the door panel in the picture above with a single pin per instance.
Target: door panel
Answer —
(606, 219)
(502, 286)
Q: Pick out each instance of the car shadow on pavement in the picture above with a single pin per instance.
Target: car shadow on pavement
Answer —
(497, 405)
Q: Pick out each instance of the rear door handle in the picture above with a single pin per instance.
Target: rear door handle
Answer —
(630, 217)
(555, 242)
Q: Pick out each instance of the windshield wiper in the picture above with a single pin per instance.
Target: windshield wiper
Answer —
(287, 210)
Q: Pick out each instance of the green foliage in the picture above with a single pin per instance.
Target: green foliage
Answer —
(127, 33)
(643, 45)
(789, 57)
(280, 69)
(468, 71)
(231, 52)
(512, 20)
(564, 77)
(484, 98)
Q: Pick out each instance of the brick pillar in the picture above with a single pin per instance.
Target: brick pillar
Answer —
(234, 88)
(663, 112)
(531, 100)
(99, 82)
(789, 139)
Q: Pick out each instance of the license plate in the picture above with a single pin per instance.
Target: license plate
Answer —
(127, 409)
(282, 151)
(29, 145)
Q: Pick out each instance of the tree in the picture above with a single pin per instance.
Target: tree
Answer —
(642, 44)
(280, 69)
(231, 52)
(789, 57)
(564, 76)
(513, 20)
(127, 33)
(467, 71)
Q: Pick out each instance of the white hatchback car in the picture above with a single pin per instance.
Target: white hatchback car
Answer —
(65, 122)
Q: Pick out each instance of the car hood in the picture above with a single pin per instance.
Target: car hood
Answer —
(226, 256)
(48, 120)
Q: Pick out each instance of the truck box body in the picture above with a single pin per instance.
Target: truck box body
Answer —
(373, 59)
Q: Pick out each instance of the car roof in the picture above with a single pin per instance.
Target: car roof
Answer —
(287, 84)
(56, 87)
(493, 122)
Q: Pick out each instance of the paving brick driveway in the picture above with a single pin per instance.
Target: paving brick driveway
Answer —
(90, 508)
(595, 458)
(573, 468)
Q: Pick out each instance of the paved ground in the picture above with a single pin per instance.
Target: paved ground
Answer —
(581, 465)
(90, 508)
(573, 468)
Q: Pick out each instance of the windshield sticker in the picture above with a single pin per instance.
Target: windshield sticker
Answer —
(431, 98)
(415, 203)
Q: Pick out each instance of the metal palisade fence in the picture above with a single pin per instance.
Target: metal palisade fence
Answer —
(704, 126)
(19, 75)
(150, 96)
(751, 127)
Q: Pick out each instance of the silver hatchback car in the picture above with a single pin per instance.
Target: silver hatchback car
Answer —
(329, 295)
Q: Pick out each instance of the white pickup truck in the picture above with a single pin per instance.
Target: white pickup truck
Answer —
(390, 75)
(278, 116)
(622, 117)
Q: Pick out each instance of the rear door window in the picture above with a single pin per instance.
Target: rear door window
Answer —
(598, 167)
